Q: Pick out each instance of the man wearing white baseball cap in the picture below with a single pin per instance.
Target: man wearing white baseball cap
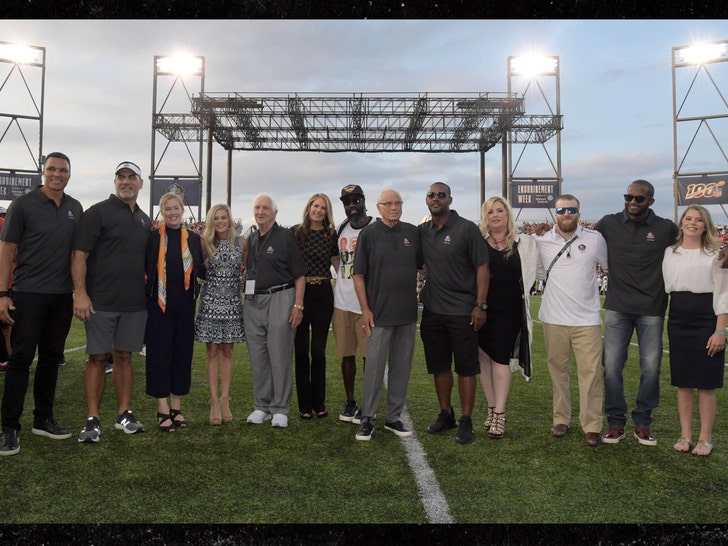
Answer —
(108, 278)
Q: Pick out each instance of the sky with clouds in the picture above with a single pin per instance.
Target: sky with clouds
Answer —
(615, 88)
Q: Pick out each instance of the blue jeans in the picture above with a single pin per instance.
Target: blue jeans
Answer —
(618, 329)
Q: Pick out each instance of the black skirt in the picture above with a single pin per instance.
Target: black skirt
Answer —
(690, 324)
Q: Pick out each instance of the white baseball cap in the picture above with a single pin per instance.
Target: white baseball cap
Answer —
(129, 165)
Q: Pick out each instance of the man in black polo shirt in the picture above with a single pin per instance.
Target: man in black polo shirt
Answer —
(385, 280)
(37, 234)
(636, 300)
(454, 296)
(108, 278)
(274, 287)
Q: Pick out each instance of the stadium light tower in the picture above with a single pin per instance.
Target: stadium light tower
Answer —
(698, 178)
(176, 165)
(539, 81)
(26, 71)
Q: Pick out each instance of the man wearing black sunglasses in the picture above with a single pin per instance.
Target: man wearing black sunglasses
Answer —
(347, 322)
(454, 304)
(636, 300)
(571, 316)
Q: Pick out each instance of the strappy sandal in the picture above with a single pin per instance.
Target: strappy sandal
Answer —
(701, 447)
(498, 426)
(682, 445)
(489, 419)
(178, 423)
(304, 415)
(162, 418)
(323, 413)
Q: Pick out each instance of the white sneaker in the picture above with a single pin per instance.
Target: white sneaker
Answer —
(280, 420)
(258, 416)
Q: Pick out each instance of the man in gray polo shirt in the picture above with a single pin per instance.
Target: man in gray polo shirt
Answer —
(385, 280)
(37, 234)
(454, 303)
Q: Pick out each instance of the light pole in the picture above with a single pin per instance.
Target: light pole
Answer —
(172, 122)
(27, 73)
(699, 183)
(539, 81)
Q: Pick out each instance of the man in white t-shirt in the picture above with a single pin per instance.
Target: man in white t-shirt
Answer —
(347, 324)
(571, 317)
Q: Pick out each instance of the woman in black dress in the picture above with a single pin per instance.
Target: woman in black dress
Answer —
(173, 264)
(504, 342)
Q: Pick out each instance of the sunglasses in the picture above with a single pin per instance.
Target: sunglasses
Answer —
(567, 210)
(439, 194)
(350, 200)
(638, 198)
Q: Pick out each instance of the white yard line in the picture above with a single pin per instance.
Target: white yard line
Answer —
(433, 499)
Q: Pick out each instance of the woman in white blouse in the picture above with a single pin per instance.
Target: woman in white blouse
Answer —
(698, 290)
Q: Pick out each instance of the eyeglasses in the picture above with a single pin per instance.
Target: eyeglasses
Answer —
(390, 204)
(567, 210)
(350, 200)
(639, 198)
(439, 194)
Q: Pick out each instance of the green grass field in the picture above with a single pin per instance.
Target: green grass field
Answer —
(316, 472)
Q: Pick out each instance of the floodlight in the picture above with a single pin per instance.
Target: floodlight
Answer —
(180, 65)
(703, 53)
(533, 65)
(20, 54)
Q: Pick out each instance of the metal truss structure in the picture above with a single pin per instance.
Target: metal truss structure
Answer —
(356, 122)
(359, 122)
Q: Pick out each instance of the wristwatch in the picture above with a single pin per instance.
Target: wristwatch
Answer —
(482, 306)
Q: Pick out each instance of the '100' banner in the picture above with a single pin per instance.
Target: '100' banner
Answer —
(702, 190)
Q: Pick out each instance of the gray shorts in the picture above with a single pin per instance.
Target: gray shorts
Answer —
(108, 330)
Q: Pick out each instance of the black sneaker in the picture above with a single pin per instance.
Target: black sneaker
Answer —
(91, 431)
(445, 421)
(465, 431)
(11, 444)
(366, 429)
(50, 429)
(398, 428)
(128, 423)
(357, 418)
(349, 411)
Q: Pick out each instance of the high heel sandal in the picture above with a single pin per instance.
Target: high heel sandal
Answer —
(489, 419)
(174, 413)
(163, 417)
(498, 426)
(215, 415)
(227, 415)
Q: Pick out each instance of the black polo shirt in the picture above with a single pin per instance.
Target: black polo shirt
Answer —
(634, 255)
(452, 255)
(275, 258)
(115, 239)
(388, 259)
(44, 233)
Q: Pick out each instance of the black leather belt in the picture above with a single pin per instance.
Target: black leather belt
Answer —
(277, 288)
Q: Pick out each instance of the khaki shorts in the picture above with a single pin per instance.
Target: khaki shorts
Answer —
(348, 334)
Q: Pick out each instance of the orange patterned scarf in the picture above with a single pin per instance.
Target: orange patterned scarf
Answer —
(162, 265)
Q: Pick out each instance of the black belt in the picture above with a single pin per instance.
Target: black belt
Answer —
(277, 288)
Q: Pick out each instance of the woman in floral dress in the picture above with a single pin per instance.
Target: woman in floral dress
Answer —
(219, 321)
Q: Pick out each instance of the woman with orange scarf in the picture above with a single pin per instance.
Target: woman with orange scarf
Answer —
(173, 264)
